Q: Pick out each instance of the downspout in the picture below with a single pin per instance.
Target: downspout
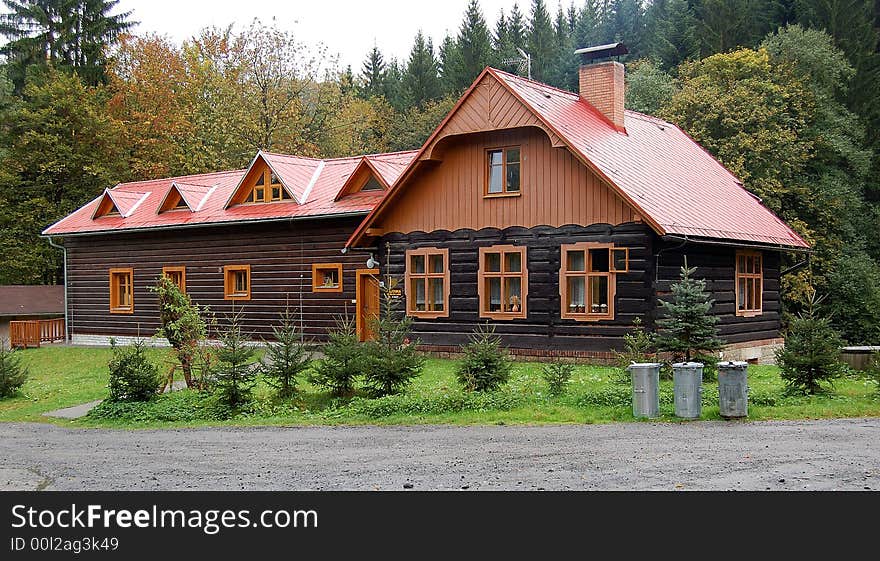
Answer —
(66, 322)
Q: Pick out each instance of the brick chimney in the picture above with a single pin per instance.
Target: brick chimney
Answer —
(602, 85)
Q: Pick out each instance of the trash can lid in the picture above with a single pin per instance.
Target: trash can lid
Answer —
(644, 365)
(688, 365)
(733, 364)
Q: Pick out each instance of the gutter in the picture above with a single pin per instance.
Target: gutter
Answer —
(66, 322)
(686, 239)
(207, 224)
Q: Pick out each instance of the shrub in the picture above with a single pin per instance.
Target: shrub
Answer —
(854, 282)
(486, 364)
(287, 358)
(557, 374)
(133, 377)
(235, 370)
(390, 361)
(12, 374)
(873, 370)
(811, 354)
(180, 323)
(638, 346)
(342, 362)
(688, 328)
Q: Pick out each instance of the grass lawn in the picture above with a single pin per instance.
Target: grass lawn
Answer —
(66, 376)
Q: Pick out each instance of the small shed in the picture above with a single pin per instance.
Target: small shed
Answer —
(29, 303)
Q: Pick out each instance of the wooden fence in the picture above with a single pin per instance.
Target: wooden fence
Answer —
(31, 333)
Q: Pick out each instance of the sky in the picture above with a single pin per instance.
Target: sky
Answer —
(347, 28)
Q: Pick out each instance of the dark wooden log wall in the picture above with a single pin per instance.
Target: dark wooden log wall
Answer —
(543, 328)
(717, 265)
(280, 254)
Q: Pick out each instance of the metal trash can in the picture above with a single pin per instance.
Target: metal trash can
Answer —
(687, 382)
(733, 389)
(646, 388)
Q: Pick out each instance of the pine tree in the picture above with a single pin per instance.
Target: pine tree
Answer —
(688, 327)
(343, 360)
(563, 71)
(373, 74)
(64, 33)
(235, 370)
(391, 360)
(586, 32)
(541, 42)
(811, 354)
(13, 374)
(671, 29)
(516, 28)
(287, 357)
(473, 47)
(420, 82)
(447, 62)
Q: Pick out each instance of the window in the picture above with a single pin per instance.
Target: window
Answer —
(749, 283)
(267, 188)
(427, 282)
(327, 277)
(503, 278)
(587, 279)
(177, 276)
(237, 282)
(503, 174)
(371, 185)
(121, 291)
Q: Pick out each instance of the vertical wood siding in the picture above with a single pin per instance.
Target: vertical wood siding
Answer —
(280, 256)
(556, 188)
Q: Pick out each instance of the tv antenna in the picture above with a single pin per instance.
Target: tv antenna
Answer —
(523, 65)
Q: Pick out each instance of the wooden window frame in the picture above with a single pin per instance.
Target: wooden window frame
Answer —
(487, 172)
(409, 276)
(523, 275)
(115, 308)
(267, 190)
(611, 275)
(228, 289)
(318, 267)
(177, 269)
(757, 277)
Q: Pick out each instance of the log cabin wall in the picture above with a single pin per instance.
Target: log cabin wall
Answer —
(280, 255)
(717, 265)
(542, 328)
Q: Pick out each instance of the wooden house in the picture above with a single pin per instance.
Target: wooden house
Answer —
(557, 217)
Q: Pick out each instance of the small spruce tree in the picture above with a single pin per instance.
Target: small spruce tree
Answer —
(687, 328)
(287, 357)
(133, 377)
(391, 360)
(486, 364)
(343, 359)
(182, 324)
(235, 370)
(12, 374)
(811, 353)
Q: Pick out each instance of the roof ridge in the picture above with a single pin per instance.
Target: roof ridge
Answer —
(535, 82)
(179, 177)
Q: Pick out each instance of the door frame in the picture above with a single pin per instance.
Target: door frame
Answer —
(359, 274)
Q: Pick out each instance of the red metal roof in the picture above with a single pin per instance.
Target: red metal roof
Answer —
(314, 183)
(670, 179)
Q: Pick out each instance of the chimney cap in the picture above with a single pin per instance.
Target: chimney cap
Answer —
(602, 51)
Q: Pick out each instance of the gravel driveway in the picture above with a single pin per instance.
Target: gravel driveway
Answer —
(804, 455)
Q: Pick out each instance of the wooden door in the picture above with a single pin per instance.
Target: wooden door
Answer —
(367, 301)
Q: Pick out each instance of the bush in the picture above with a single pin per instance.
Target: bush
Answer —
(342, 362)
(811, 354)
(287, 358)
(182, 324)
(235, 370)
(486, 365)
(638, 346)
(390, 361)
(12, 374)
(855, 285)
(132, 376)
(873, 370)
(557, 374)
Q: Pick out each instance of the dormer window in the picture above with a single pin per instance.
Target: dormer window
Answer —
(267, 188)
(371, 185)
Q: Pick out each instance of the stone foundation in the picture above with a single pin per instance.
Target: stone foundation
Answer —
(754, 352)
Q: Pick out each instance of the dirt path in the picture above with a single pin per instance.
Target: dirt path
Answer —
(808, 455)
